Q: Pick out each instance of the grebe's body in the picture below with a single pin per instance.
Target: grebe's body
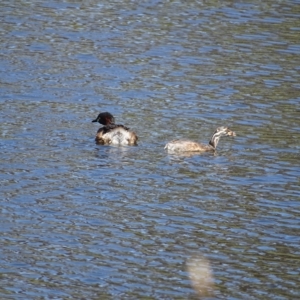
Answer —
(112, 133)
(190, 146)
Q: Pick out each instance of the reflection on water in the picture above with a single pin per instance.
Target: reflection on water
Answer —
(80, 220)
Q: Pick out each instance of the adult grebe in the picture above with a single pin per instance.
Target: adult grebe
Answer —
(112, 133)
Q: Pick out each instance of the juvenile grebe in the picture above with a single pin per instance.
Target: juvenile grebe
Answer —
(112, 133)
(189, 146)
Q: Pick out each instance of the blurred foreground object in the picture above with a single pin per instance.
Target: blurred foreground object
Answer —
(201, 275)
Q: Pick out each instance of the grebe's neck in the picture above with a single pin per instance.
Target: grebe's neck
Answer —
(215, 139)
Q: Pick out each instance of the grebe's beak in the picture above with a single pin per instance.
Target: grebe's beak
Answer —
(231, 133)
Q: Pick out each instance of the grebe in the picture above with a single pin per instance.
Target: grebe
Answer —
(189, 146)
(112, 133)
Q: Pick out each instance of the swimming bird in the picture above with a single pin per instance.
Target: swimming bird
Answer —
(112, 133)
(189, 146)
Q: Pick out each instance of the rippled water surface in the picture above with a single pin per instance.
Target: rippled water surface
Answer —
(82, 221)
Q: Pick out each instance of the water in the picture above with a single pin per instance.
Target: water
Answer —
(81, 221)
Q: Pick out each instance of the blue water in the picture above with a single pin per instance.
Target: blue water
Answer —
(82, 221)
